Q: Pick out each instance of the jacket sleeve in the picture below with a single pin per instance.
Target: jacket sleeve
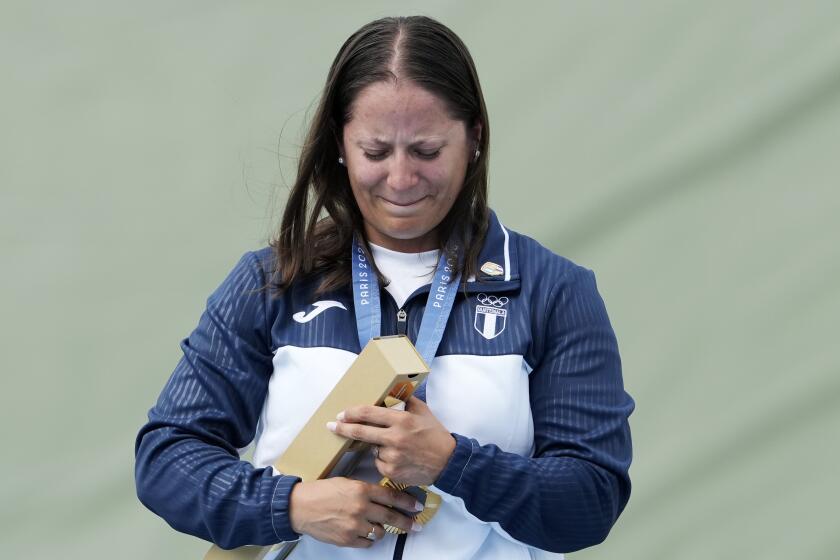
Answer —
(568, 495)
(187, 468)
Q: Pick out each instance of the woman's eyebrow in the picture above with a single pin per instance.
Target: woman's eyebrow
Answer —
(381, 142)
(377, 141)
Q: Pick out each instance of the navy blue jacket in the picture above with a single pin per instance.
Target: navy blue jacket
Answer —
(558, 484)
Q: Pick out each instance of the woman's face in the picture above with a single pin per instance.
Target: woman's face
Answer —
(406, 159)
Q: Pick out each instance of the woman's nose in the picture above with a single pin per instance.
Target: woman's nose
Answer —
(401, 174)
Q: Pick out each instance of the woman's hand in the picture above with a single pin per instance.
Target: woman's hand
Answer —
(342, 511)
(414, 446)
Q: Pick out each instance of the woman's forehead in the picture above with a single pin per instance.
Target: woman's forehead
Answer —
(384, 109)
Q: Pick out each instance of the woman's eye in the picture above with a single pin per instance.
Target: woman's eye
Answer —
(429, 155)
(375, 156)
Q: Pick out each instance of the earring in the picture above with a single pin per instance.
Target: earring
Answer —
(340, 160)
(477, 153)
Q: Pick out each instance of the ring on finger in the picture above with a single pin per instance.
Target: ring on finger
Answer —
(371, 536)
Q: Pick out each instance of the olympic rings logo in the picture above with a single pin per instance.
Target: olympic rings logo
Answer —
(484, 299)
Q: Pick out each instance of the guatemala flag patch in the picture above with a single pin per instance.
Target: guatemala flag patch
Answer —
(490, 318)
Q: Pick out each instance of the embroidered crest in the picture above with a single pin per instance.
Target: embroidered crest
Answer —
(490, 318)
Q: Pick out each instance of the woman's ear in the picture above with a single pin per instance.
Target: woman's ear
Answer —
(475, 134)
(342, 158)
(339, 143)
(475, 141)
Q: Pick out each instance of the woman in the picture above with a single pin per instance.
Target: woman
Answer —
(523, 432)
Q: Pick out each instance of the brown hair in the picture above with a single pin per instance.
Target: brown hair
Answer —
(321, 216)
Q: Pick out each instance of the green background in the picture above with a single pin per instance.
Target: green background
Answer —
(685, 151)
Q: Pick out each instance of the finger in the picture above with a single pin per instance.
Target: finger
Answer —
(415, 405)
(378, 415)
(365, 527)
(395, 498)
(389, 516)
(388, 470)
(360, 542)
(378, 529)
(358, 432)
(386, 454)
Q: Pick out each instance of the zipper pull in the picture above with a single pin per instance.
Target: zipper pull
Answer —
(402, 321)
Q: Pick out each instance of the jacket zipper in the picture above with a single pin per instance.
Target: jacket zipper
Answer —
(402, 328)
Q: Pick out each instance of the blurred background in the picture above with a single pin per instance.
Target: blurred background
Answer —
(686, 152)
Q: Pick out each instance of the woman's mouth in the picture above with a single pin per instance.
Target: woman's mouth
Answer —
(403, 203)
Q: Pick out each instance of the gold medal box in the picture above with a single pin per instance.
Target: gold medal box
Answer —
(385, 374)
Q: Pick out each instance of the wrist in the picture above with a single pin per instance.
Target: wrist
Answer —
(448, 451)
(451, 475)
(295, 497)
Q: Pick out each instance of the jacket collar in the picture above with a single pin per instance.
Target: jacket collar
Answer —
(498, 256)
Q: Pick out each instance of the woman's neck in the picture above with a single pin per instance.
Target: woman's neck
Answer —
(426, 242)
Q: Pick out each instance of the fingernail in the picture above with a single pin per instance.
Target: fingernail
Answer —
(331, 426)
(416, 527)
(418, 506)
(340, 416)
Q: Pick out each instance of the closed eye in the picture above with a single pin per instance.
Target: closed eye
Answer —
(376, 156)
(429, 155)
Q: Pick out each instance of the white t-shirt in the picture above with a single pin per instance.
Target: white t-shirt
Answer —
(406, 271)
